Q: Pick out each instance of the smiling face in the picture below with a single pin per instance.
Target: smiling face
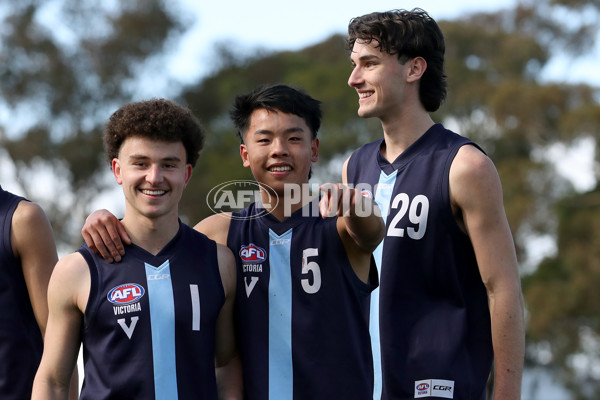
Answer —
(380, 80)
(279, 149)
(153, 175)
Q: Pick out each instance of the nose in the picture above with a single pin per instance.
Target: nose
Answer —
(355, 78)
(279, 148)
(154, 175)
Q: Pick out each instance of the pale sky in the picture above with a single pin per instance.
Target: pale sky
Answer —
(284, 25)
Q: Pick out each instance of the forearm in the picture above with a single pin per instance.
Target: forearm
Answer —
(45, 388)
(508, 338)
(229, 380)
(365, 225)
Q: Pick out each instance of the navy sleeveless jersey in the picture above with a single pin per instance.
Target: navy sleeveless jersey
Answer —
(149, 325)
(20, 337)
(430, 322)
(301, 311)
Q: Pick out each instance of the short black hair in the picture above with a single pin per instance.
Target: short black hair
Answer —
(279, 97)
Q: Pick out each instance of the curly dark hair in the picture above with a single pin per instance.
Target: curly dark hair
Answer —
(407, 34)
(278, 97)
(155, 119)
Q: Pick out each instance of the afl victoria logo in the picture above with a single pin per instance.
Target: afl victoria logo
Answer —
(252, 254)
(423, 386)
(125, 293)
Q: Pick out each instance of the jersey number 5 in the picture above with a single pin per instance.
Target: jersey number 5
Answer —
(310, 267)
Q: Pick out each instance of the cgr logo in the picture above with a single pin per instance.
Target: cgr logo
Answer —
(423, 386)
(126, 293)
(252, 254)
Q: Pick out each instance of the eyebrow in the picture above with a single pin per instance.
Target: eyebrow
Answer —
(366, 57)
(294, 129)
(135, 157)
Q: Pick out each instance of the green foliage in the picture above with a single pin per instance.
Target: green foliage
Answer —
(563, 293)
(76, 79)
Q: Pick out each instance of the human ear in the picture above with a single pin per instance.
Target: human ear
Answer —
(116, 168)
(314, 150)
(244, 155)
(417, 67)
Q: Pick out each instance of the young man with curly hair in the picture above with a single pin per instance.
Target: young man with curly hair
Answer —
(153, 325)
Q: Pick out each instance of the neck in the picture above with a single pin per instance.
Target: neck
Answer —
(400, 133)
(287, 202)
(151, 234)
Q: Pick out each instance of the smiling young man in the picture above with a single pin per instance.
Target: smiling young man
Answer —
(449, 302)
(303, 280)
(153, 325)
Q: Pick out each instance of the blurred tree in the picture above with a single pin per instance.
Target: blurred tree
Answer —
(563, 296)
(60, 81)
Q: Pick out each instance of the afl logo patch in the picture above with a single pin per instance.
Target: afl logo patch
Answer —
(423, 386)
(125, 293)
(252, 254)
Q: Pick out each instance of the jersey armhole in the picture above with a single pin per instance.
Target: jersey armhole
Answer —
(94, 279)
(9, 211)
(373, 278)
(445, 183)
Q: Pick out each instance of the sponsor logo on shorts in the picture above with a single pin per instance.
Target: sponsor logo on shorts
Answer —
(434, 388)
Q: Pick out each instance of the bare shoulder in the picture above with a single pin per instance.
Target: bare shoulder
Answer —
(471, 162)
(29, 216)
(71, 280)
(31, 232)
(472, 175)
(215, 227)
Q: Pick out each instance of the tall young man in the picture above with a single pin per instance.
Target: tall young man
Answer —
(450, 299)
(152, 326)
(303, 280)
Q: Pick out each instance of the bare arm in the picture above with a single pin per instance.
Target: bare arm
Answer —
(104, 234)
(359, 223)
(215, 227)
(476, 195)
(225, 346)
(229, 369)
(67, 296)
(33, 243)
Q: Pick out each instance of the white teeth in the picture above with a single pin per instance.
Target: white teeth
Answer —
(154, 192)
(281, 169)
(363, 95)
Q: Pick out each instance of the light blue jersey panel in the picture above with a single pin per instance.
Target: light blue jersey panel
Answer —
(281, 383)
(383, 196)
(162, 318)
